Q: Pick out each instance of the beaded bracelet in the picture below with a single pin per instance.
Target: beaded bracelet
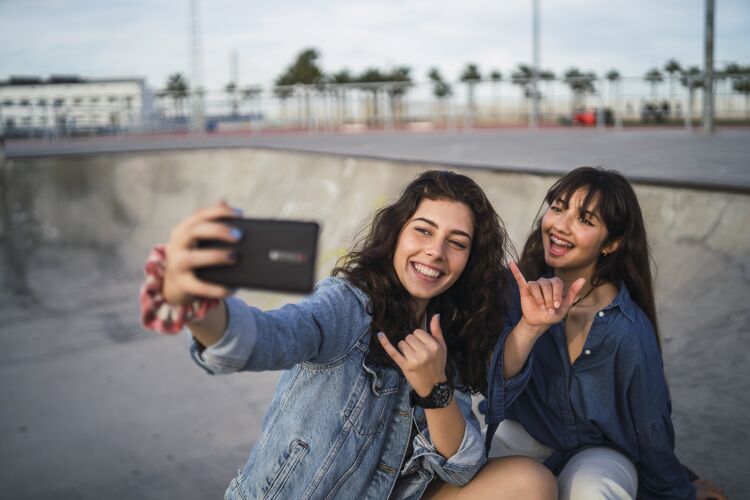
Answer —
(156, 313)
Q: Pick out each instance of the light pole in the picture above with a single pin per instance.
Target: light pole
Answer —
(534, 118)
(708, 72)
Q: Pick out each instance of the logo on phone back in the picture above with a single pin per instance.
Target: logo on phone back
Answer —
(287, 256)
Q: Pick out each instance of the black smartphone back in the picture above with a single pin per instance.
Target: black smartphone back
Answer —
(277, 255)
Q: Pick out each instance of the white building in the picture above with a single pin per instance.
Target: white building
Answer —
(71, 104)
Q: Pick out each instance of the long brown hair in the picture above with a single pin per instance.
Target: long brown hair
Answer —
(613, 197)
(471, 311)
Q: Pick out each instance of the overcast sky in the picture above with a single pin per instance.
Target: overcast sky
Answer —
(149, 38)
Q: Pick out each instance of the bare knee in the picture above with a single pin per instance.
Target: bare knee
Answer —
(504, 478)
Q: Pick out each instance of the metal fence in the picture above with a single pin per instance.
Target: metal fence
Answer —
(393, 106)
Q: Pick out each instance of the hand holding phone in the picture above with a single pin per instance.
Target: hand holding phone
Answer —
(276, 255)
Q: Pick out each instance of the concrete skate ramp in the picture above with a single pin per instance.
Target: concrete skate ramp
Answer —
(95, 407)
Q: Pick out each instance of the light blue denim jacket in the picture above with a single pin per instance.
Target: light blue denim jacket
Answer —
(338, 425)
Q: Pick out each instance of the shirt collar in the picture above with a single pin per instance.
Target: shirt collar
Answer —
(624, 302)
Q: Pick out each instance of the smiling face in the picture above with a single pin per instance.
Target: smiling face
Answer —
(574, 237)
(433, 248)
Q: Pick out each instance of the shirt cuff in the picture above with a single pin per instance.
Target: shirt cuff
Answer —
(458, 469)
(231, 352)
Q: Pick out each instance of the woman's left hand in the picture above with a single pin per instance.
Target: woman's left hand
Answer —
(421, 356)
(706, 490)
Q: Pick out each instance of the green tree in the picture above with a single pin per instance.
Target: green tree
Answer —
(673, 69)
(692, 79)
(373, 80)
(231, 90)
(440, 88)
(399, 83)
(471, 76)
(654, 78)
(304, 70)
(177, 89)
(580, 83)
(250, 94)
(341, 79)
(496, 76)
(740, 76)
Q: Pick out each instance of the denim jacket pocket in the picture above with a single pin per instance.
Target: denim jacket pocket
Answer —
(287, 462)
(367, 408)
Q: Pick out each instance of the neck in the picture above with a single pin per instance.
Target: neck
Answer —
(569, 276)
(419, 308)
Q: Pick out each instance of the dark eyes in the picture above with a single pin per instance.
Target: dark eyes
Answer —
(454, 243)
(559, 209)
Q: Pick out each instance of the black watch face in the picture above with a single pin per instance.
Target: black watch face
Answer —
(441, 396)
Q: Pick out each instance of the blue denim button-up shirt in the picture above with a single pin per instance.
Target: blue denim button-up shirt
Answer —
(614, 394)
(338, 425)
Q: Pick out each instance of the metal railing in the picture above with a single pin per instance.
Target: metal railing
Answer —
(392, 106)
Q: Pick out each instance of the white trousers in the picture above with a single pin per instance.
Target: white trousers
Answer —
(598, 473)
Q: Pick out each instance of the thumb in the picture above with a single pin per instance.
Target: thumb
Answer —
(574, 290)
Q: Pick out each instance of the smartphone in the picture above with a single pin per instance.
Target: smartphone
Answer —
(276, 255)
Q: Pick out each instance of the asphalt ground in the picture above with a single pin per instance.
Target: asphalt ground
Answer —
(95, 407)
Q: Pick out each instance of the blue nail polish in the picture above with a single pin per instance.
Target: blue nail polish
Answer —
(236, 233)
(238, 211)
(381, 335)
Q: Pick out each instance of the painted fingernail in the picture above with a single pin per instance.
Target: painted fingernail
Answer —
(238, 211)
(557, 304)
(236, 233)
(381, 335)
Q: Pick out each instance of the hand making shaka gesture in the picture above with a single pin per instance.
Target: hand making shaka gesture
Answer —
(421, 356)
(542, 302)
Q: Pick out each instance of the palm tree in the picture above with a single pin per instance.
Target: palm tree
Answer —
(692, 78)
(471, 77)
(304, 70)
(653, 77)
(613, 76)
(250, 94)
(341, 80)
(399, 83)
(673, 68)
(231, 90)
(580, 84)
(177, 88)
(373, 80)
(496, 76)
(440, 89)
(740, 76)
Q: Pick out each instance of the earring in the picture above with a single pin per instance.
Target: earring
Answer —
(604, 253)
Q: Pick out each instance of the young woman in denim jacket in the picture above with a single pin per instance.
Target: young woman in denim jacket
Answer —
(341, 424)
(596, 408)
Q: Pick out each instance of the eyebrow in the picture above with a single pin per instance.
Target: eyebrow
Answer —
(434, 224)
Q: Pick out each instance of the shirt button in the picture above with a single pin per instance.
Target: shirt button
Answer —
(601, 314)
(587, 352)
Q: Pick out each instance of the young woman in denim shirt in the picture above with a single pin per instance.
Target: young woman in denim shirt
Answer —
(596, 408)
(373, 402)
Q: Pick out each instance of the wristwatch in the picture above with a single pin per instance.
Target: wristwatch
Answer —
(440, 397)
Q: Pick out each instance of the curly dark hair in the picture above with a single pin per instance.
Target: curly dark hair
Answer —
(471, 311)
(609, 193)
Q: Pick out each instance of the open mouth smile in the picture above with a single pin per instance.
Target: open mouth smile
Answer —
(426, 271)
(559, 246)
